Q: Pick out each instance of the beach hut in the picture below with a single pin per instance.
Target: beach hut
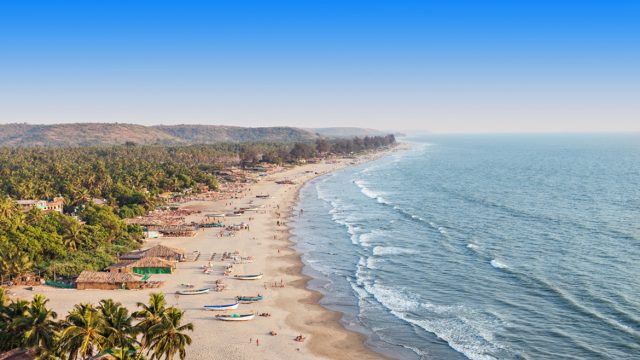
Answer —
(178, 231)
(152, 265)
(164, 252)
(108, 280)
(158, 251)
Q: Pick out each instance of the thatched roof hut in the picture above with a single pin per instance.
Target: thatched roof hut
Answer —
(108, 280)
(158, 251)
(152, 262)
(178, 231)
(146, 265)
(164, 252)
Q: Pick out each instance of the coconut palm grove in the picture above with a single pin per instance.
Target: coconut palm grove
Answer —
(153, 331)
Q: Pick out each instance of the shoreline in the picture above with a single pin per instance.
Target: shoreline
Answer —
(329, 334)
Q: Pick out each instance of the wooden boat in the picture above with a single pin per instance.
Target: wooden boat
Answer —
(249, 277)
(236, 317)
(249, 298)
(221, 307)
(193, 292)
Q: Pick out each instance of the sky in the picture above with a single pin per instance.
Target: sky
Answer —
(438, 66)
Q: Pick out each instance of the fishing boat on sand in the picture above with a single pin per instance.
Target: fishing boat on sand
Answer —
(248, 277)
(249, 298)
(192, 291)
(236, 317)
(221, 307)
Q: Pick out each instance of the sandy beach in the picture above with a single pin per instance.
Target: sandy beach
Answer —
(294, 310)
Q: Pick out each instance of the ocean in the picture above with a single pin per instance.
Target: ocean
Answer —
(483, 247)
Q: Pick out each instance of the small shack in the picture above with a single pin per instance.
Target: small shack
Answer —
(178, 231)
(108, 280)
(146, 265)
(158, 251)
(152, 265)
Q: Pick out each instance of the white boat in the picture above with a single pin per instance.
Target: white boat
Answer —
(221, 307)
(236, 317)
(216, 215)
(193, 292)
(249, 277)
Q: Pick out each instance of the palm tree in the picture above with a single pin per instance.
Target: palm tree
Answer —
(84, 332)
(119, 331)
(38, 324)
(4, 318)
(127, 353)
(169, 335)
(73, 235)
(14, 263)
(149, 316)
(11, 313)
(4, 299)
(8, 207)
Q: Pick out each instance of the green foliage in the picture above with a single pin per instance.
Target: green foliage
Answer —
(60, 245)
(88, 330)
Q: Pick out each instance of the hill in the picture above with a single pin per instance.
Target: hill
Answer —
(346, 132)
(85, 134)
(208, 134)
(91, 134)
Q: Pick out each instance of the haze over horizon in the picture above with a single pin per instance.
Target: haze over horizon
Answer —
(457, 66)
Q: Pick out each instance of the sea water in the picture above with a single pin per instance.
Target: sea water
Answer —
(483, 247)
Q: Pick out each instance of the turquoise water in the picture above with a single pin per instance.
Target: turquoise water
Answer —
(484, 247)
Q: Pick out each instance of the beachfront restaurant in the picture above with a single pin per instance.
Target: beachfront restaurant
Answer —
(146, 265)
(108, 280)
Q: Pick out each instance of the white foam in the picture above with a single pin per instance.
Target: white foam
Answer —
(498, 264)
(371, 263)
(463, 329)
(370, 193)
(473, 247)
(362, 272)
(365, 239)
(335, 213)
(392, 250)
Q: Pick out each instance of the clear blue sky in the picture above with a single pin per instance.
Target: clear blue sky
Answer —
(433, 65)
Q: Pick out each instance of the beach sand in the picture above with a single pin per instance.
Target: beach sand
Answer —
(294, 309)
